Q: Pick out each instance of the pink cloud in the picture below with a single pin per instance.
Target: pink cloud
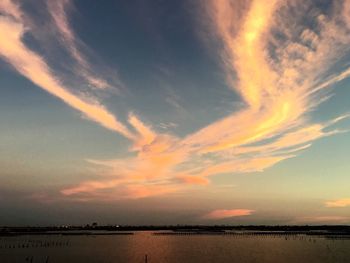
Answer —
(271, 126)
(34, 68)
(223, 213)
(197, 180)
(277, 95)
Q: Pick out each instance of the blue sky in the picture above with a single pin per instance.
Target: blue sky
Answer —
(174, 112)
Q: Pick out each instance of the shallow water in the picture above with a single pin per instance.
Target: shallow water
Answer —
(173, 248)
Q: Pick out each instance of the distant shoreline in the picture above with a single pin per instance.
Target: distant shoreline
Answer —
(322, 230)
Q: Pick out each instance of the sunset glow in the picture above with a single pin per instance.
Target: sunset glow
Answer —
(150, 113)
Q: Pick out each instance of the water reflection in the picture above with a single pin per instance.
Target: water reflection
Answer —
(165, 247)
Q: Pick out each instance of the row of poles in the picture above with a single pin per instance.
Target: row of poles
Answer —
(35, 244)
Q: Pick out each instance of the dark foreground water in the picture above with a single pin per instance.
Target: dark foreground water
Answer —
(173, 248)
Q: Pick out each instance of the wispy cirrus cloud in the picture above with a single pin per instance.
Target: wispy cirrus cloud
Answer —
(274, 86)
(281, 71)
(227, 213)
(59, 13)
(338, 203)
(33, 66)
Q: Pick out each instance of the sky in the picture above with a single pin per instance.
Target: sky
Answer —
(174, 112)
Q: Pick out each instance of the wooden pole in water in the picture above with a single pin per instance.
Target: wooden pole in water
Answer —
(146, 259)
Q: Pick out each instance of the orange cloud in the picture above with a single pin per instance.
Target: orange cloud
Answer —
(136, 177)
(34, 67)
(278, 90)
(275, 93)
(91, 186)
(198, 180)
(146, 135)
(223, 213)
(11, 9)
(114, 189)
(338, 203)
(278, 95)
(142, 191)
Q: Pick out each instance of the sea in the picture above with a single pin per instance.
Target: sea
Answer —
(159, 247)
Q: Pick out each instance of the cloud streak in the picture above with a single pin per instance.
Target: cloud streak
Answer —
(58, 11)
(224, 213)
(33, 67)
(338, 203)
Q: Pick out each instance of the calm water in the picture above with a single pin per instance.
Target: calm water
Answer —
(165, 248)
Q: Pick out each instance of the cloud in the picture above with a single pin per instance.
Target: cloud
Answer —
(146, 134)
(58, 11)
(199, 180)
(280, 69)
(112, 190)
(338, 203)
(33, 67)
(244, 50)
(278, 63)
(11, 9)
(272, 85)
(223, 213)
(151, 168)
(167, 125)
